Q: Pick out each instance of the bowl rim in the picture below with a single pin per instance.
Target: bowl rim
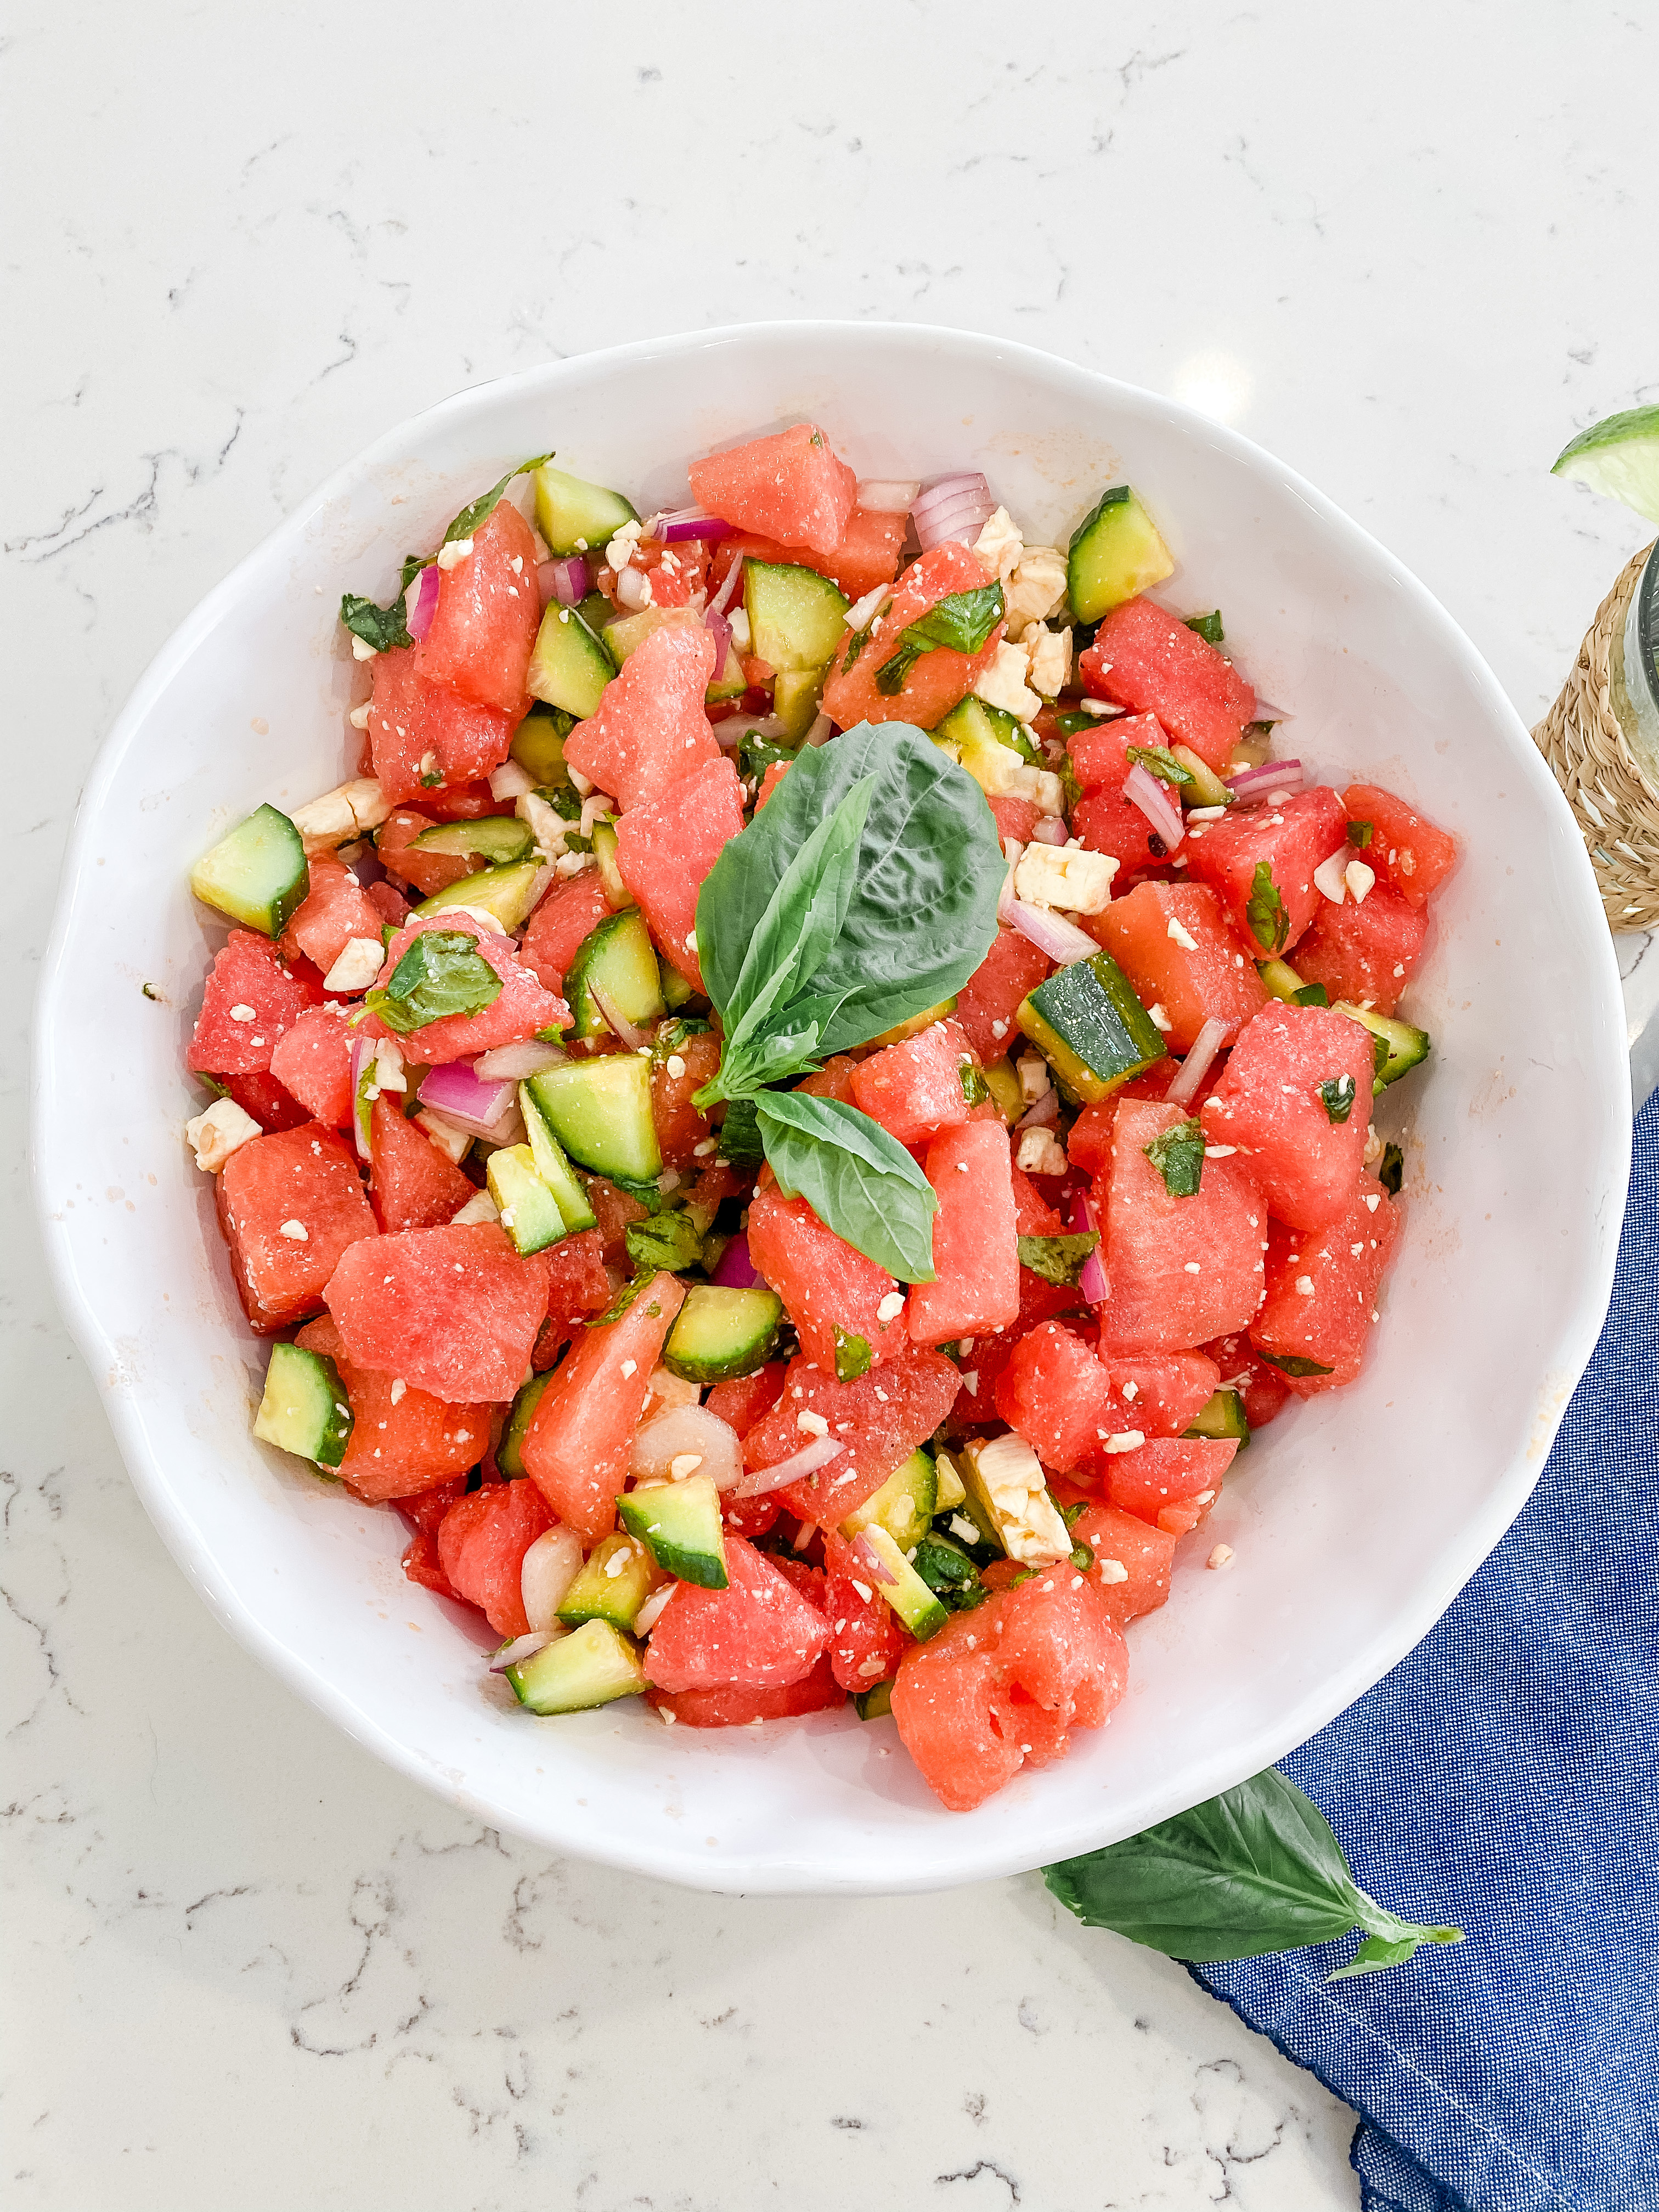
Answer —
(1458, 1559)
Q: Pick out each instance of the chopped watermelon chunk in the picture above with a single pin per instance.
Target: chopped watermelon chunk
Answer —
(1015, 818)
(1180, 1269)
(665, 847)
(1144, 658)
(454, 1310)
(734, 1704)
(519, 1011)
(404, 1441)
(745, 1399)
(868, 553)
(1100, 756)
(421, 734)
(977, 1270)
(251, 996)
(426, 873)
(1160, 1394)
(1144, 1553)
(572, 910)
(1242, 1368)
(1364, 952)
(1322, 1291)
(881, 1418)
(759, 1631)
(1171, 1481)
(290, 1205)
(914, 1089)
(1289, 838)
(1408, 854)
(578, 1287)
(988, 1001)
(1172, 942)
(940, 678)
(1000, 1687)
(415, 1186)
(481, 1547)
(788, 486)
(265, 1098)
(1054, 1393)
(333, 911)
(488, 610)
(576, 1448)
(866, 1642)
(650, 730)
(1106, 822)
(680, 1127)
(312, 1061)
(833, 1294)
(1295, 1100)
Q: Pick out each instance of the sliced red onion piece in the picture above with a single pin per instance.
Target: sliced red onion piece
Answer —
(1197, 1064)
(363, 1049)
(764, 1480)
(1050, 830)
(730, 731)
(1271, 775)
(632, 1038)
(521, 1647)
(882, 497)
(1062, 940)
(727, 592)
(1266, 711)
(689, 522)
(565, 581)
(595, 807)
(946, 509)
(1044, 1114)
(421, 601)
(510, 780)
(1091, 1279)
(875, 1567)
(483, 1108)
(737, 1271)
(960, 526)
(1012, 849)
(720, 630)
(1146, 792)
(512, 1063)
(653, 1610)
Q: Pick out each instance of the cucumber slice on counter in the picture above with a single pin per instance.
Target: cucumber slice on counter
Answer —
(1116, 552)
(551, 1166)
(509, 1453)
(258, 874)
(496, 838)
(614, 1583)
(600, 1111)
(574, 516)
(720, 1332)
(506, 893)
(679, 1522)
(904, 1505)
(619, 958)
(1091, 1028)
(590, 1666)
(796, 616)
(305, 1409)
(530, 1212)
(568, 666)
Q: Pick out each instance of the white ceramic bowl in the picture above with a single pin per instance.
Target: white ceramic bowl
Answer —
(1354, 1520)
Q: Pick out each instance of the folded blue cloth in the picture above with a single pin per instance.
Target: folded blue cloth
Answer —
(1506, 1778)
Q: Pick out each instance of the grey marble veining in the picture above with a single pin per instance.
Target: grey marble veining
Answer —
(244, 1963)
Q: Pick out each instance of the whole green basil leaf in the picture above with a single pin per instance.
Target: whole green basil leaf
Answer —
(443, 972)
(963, 621)
(922, 913)
(1252, 1871)
(857, 1180)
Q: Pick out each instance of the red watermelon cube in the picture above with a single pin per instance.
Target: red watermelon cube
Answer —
(421, 732)
(251, 996)
(262, 1096)
(1172, 942)
(291, 1206)
(572, 910)
(312, 1061)
(759, 1631)
(1408, 854)
(677, 1075)
(1288, 838)
(454, 1310)
(976, 1259)
(1242, 1368)
(1160, 1394)
(404, 1441)
(940, 678)
(1144, 658)
(482, 1541)
(577, 1446)
(650, 730)
(414, 1185)
(789, 487)
(1295, 1102)
(1180, 1269)
(1132, 1560)
(830, 1290)
(1054, 1393)
(735, 1704)
(880, 1418)
(914, 1089)
(334, 910)
(1363, 951)
(742, 1401)
(866, 1642)
(1171, 1481)
(1100, 756)
(427, 872)
(519, 1011)
(665, 847)
(1322, 1286)
(988, 1001)
(490, 607)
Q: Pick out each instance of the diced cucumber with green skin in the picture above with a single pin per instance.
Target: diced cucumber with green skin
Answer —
(551, 1166)
(1223, 1418)
(945, 1567)
(679, 1524)
(677, 990)
(530, 1212)
(576, 517)
(1284, 984)
(600, 1111)
(795, 698)
(922, 1614)
(1003, 1086)
(258, 874)
(731, 683)
(305, 1409)
(1091, 1028)
(619, 956)
(612, 1584)
(904, 1505)
(874, 1705)
(670, 1240)
(974, 722)
(624, 635)
(605, 854)
(592, 1666)
(569, 668)
(509, 1453)
(363, 1103)
(796, 616)
(1407, 1047)
(1206, 788)
(496, 838)
(507, 893)
(538, 747)
(1115, 553)
(949, 1489)
(720, 1332)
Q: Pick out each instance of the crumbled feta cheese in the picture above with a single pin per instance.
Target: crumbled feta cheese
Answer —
(341, 814)
(1158, 1019)
(863, 611)
(361, 649)
(1181, 936)
(738, 618)
(1050, 651)
(1361, 881)
(864, 1589)
(620, 1560)
(630, 1369)
(215, 1134)
(998, 1031)
(1192, 1267)
(1304, 1286)
(451, 556)
(481, 1206)
(1219, 1151)
(1041, 1153)
(296, 1233)
(358, 717)
(431, 773)
(1033, 1072)
(676, 1065)
(389, 1065)
(1221, 1557)
(620, 551)
(357, 966)
(1036, 587)
(1003, 684)
(811, 1424)
(1126, 1440)
(959, 1525)
(1008, 1477)
(1065, 875)
(890, 1307)
(684, 1463)
(1112, 1571)
(1330, 878)
(1000, 545)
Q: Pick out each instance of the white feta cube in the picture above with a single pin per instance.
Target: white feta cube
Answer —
(214, 1135)
(1000, 545)
(341, 814)
(1065, 875)
(1050, 651)
(1041, 1153)
(1006, 1476)
(357, 966)
(1036, 586)
(1003, 683)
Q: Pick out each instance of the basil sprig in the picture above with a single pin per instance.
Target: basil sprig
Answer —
(1253, 1871)
(443, 972)
(963, 621)
(387, 627)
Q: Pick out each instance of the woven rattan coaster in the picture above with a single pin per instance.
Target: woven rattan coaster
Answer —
(1617, 805)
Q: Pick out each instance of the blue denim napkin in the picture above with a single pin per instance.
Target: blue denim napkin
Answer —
(1506, 1778)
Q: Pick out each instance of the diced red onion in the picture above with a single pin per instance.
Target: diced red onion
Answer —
(512, 1063)
(1045, 1112)
(720, 630)
(689, 522)
(595, 807)
(632, 1038)
(737, 1271)
(510, 780)
(521, 1647)
(1197, 1064)
(882, 497)
(957, 508)
(363, 1049)
(1062, 940)
(1266, 711)
(875, 1567)
(421, 601)
(565, 580)
(764, 1480)
(1012, 849)
(1271, 775)
(723, 598)
(1091, 1279)
(1051, 830)
(730, 731)
(1146, 792)
(483, 1108)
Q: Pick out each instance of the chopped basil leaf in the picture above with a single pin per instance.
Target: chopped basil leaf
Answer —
(474, 517)
(1266, 912)
(430, 781)
(1258, 730)
(624, 1298)
(442, 973)
(384, 628)
(1313, 994)
(963, 621)
(1159, 761)
(1178, 1155)
(1392, 1171)
(666, 1240)
(1083, 1557)
(1071, 1515)
(1059, 1260)
(756, 755)
(1337, 1096)
(646, 1193)
(1360, 833)
(975, 1088)
(1208, 627)
(1072, 720)
(860, 639)
(1291, 1363)
(947, 1571)
(852, 1356)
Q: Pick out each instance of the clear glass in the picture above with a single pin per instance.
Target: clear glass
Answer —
(1633, 671)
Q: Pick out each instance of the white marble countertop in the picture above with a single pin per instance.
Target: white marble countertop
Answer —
(246, 1965)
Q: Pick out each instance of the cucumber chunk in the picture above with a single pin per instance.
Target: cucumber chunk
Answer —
(677, 991)
(576, 517)
(590, 1666)
(916, 1605)
(600, 1111)
(530, 1212)
(1406, 1045)
(796, 616)
(795, 698)
(946, 1569)
(974, 721)
(507, 893)
(904, 1505)
(509, 1453)
(605, 854)
(679, 1522)
(619, 956)
(873, 1704)
(496, 838)
(569, 667)
(305, 1409)
(915, 1024)
(1003, 1086)
(719, 1332)
(1116, 552)
(628, 633)
(1206, 788)
(1222, 1416)
(612, 1585)
(1091, 1028)
(539, 746)
(949, 1490)
(258, 874)
(551, 1166)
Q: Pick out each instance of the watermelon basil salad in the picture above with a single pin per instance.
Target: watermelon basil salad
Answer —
(808, 1095)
